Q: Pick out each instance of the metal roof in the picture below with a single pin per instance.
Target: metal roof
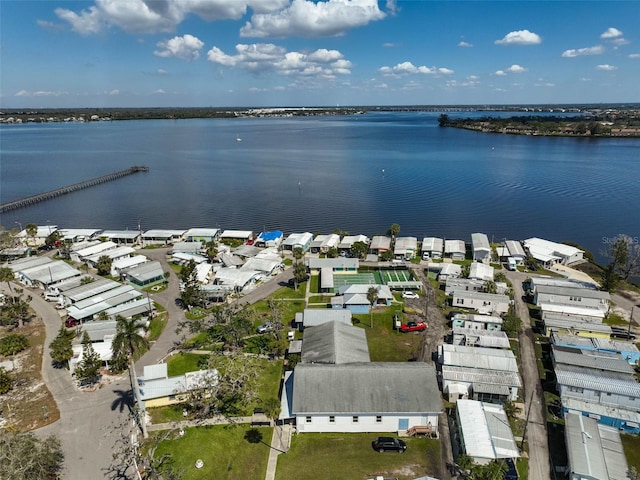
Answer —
(432, 244)
(572, 292)
(87, 290)
(326, 278)
(478, 375)
(567, 323)
(201, 232)
(242, 234)
(348, 241)
(483, 338)
(112, 253)
(312, 317)
(166, 234)
(515, 248)
(380, 242)
(552, 247)
(361, 388)
(128, 234)
(336, 263)
(597, 380)
(610, 411)
(564, 309)
(594, 450)
(615, 345)
(481, 271)
(480, 241)
(591, 359)
(296, 239)
(146, 271)
(485, 430)
(478, 357)
(26, 263)
(51, 273)
(335, 342)
(162, 387)
(455, 246)
(97, 248)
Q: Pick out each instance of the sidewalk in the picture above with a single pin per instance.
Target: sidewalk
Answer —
(280, 443)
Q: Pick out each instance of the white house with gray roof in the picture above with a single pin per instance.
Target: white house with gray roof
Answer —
(405, 248)
(578, 297)
(363, 397)
(548, 252)
(481, 247)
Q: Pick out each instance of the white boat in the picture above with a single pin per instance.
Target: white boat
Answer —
(238, 139)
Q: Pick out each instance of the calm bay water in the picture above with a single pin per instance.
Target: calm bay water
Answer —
(357, 173)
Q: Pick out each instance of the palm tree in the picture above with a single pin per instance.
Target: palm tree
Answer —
(372, 296)
(130, 342)
(7, 275)
(31, 229)
(394, 230)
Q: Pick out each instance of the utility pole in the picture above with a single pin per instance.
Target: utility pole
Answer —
(526, 422)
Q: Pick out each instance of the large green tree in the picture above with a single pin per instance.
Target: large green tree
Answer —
(130, 341)
(61, 348)
(103, 265)
(190, 291)
(88, 369)
(24, 456)
(299, 273)
(359, 250)
(394, 230)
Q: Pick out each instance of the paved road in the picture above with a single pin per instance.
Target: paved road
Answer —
(536, 434)
(87, 419)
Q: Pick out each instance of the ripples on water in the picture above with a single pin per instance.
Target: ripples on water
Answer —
(358, 173)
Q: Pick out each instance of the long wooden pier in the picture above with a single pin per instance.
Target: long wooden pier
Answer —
(41, 197)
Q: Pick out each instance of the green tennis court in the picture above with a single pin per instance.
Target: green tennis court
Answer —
(395, 276)
(368, 278)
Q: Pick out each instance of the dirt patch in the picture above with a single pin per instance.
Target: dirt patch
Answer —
(29, 405)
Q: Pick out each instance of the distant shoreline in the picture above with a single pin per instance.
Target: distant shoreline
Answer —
(50, 115)
(612, 123)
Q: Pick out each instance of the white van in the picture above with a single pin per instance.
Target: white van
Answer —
(511, 263)
(51, 297)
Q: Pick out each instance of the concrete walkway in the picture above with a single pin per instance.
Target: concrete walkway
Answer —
(280, 443)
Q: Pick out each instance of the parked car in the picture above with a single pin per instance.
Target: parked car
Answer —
(265, 327)
(413, 327)
(71, 322)
(622, 333)
(410, 295)
(389, 444)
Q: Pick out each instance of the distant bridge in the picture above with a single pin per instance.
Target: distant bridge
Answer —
(41, 197)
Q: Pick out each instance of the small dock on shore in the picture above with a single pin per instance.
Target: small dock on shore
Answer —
(41, 197)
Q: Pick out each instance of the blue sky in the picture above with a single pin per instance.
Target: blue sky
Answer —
(146, 53)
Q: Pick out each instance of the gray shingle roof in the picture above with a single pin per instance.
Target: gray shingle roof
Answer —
(335, 342)
(360, 388)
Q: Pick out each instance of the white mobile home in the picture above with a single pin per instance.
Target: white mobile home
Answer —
(432, 247)
(548, 252)
(455, 249)
(481, 302)
(405, 248)
(481, 247)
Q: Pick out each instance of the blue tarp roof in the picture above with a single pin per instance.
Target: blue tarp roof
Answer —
(268, 236)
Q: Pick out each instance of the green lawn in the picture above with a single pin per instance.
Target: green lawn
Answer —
(156, 326)
(182, 363)
(223, 449)
(385, 344)
(290, 307)
(349, 456)
(631, 444)
(615, 320)
(290, 292)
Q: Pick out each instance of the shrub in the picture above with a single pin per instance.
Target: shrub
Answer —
(12, 344)
(6, 382)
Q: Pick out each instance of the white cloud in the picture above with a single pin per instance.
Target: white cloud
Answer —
(159, 92)
(153, 16)
(465, 44)
(634, 55)
(309, 19)
(516, 69)
(186, 47)
(161, 71)
(408, 68)
(620, 41)
(500, 73)
(597, 50)
(38, 93)
(606, 67)
(520, 37)
(266, 57)
(389, 45)
(611, 32)
(114, 92)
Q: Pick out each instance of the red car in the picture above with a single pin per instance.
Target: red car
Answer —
(413, 327)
